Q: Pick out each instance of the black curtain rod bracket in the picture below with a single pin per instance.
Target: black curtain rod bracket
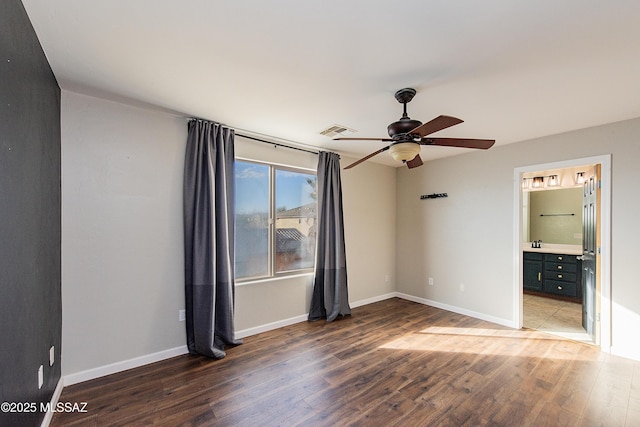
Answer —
(559, 214)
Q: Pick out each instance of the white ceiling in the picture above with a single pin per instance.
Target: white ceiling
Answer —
(512, 69)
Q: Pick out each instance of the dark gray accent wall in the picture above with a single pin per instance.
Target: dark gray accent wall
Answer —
(30, 227)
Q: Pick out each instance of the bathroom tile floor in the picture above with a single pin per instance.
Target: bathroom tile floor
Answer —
(555, 317)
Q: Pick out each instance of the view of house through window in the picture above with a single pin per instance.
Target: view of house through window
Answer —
(275, 220)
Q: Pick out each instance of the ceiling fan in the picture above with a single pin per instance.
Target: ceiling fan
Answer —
(407, 135)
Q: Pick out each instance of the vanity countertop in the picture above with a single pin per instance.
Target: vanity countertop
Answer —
(553, 248)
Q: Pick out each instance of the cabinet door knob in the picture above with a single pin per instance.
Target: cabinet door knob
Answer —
(559, 288)
(559, 267)
(559, 258)
(559, 276)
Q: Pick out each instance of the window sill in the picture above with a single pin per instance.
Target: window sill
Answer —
(274, 279)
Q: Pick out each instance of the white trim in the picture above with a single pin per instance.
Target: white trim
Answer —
(113, 368)
(625, 352)
(272, 279)
(373, 300)
(53, 402)
(270, 326)
(497, 320)
(302, 318)
(605, 238)
(278, 165)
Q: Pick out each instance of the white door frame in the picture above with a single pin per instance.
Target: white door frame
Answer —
(605, 231)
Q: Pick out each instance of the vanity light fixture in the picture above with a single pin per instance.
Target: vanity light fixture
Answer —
(579, 178)
(525, 183)
(553, 181)
(538, 182)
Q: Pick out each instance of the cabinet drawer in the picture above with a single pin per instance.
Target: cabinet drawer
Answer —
(532, 256)
(571, 259)
(560, 288)
(560, 275)
(560, 266)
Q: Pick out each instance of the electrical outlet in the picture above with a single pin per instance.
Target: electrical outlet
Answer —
(52, 355)
(40, 376)
(181, 315)
(430, 281)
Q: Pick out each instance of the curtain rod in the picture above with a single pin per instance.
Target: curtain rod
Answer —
(276, 143)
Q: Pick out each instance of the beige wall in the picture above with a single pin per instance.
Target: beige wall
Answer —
(122, 253)
(122, 231)
(468, 238)
(122, 239)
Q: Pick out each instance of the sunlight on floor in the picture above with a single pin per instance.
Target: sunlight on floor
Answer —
(497, 342)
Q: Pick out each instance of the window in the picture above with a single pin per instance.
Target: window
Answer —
(275, 220)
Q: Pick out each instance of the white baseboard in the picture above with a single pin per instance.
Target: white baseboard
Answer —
(270, 326)
(621, 351)
(113, 368)
(373, 300)
(302, 318)
(53, 402)
(463, 311)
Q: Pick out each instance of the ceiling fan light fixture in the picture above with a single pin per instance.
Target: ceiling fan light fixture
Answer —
(404, 151)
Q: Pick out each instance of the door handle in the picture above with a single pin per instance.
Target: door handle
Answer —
(539, 276)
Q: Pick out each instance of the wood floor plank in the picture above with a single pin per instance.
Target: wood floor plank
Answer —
(392, 363)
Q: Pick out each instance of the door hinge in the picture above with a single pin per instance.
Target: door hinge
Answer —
(599, 184)
(599, 250)
(597, 317)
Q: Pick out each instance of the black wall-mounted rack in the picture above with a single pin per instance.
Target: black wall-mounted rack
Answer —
(433, 196)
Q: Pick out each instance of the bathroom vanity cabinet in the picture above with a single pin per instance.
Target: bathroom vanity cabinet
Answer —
(553, 274)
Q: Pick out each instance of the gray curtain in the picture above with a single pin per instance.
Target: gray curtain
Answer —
(330, 297)
(209, 238)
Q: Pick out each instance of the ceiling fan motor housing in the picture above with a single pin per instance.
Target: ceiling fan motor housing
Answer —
(399, 129)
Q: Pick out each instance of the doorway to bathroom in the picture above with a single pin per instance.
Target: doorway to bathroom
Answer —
(559, 243)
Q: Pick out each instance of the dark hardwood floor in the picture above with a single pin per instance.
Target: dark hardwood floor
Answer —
(392, 363)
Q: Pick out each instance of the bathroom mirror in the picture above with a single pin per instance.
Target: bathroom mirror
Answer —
(553, 216)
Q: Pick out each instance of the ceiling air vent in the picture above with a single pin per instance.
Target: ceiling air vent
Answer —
(337, 130)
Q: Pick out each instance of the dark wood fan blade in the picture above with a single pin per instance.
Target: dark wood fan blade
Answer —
(481, 144)
(439, 123)
(367, 157)
(363, 139)
(417, 161)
